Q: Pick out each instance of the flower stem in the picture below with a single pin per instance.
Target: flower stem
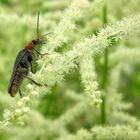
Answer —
(105, 73)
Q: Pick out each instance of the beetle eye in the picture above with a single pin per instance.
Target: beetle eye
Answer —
(35, 42)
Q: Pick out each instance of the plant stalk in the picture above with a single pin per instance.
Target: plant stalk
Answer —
(105, 73)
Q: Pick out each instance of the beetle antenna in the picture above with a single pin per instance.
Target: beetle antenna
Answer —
(45, 34)
(37, 29)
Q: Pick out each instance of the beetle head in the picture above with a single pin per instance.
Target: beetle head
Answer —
(38, 41)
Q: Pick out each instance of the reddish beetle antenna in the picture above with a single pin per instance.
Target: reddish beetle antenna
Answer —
(37, 25)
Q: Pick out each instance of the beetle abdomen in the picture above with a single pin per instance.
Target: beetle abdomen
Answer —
(20, 73)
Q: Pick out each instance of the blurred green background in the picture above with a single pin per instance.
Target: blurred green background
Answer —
(18, 27)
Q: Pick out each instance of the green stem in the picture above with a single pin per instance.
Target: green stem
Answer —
(105, 73)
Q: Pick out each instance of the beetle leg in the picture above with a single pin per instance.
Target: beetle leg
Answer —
(33, 81)
(20, 93)
(40, 53)
(36, 83)
(32, 70)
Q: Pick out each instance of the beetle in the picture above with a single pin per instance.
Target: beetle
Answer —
(23, 63)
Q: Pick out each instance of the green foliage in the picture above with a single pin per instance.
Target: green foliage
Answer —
(89, 70)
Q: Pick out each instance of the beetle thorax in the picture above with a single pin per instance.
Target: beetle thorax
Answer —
(30, 45)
